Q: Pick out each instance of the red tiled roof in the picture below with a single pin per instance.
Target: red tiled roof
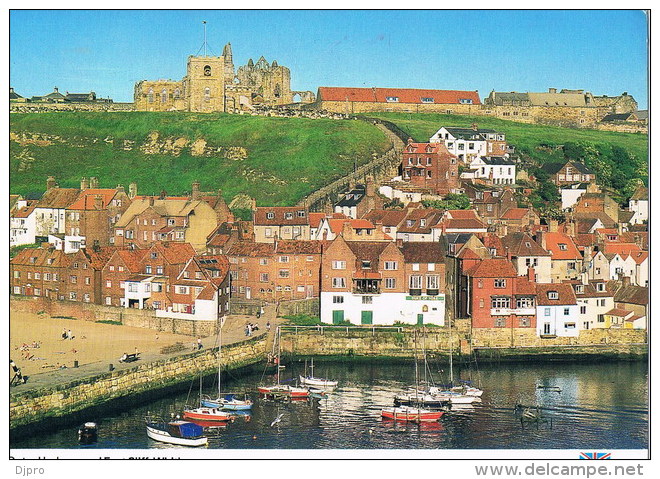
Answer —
(621, 248)
(58, 198)
(315, 219)
(462, 214)
(493, 268)
(515, 213)
(564, 290)
(25, 211)
(87, 198)
(619, 312)
(552, 242)
(464, 224)
(405, 95)
(525, 286)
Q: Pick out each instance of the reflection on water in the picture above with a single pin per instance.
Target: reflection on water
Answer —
(591, 406)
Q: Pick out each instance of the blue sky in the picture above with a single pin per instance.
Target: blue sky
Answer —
(602, 51)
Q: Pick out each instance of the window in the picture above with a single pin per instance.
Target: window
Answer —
(283, 273)
(553, 295)
(497, 302)
(567, 311)
(415, 266)
(432, 282)
(159, 270)
(270, 215)
(88, 280)
(390, 283)
(339, 265)
(600, 286)
(288, 216)
(465, 101)
(523, 322)
(601, 318)
(367, 299)
(366, 264)
(108, 300)
(284, 259)
(427, 99)
(338, 283)
(415, 282)
(500, 322)
(546, 311)
(571, 265)
(583, 310)
(563, 246)
(500, 283)
(147, 269)
(182, 289)
(337, 299)
(74, 279)
(392, 99)
(570, 326)
(524, 302)
(73, 296)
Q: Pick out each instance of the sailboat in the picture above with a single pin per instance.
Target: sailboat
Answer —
(413, 412)
(226, 401)
(455, 394)
(279, 390)
(310, 380)
(204, 413)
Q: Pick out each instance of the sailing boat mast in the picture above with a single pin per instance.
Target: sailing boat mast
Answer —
(451, 357)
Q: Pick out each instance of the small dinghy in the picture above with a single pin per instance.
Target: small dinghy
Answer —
(411, 414)
(206, 414)
(88, 433)
(180, 433)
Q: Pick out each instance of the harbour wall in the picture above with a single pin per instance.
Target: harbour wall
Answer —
(66, 402)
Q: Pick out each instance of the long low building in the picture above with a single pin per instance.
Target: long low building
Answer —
(359, 100)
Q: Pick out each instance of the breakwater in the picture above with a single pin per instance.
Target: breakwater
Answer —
(66, 402)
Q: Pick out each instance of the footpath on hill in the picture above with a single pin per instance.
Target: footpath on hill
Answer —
(39, 350)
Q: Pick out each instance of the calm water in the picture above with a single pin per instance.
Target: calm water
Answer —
(600, 406)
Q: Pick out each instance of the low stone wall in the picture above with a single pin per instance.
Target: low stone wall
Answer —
(18, 107)
(527, 338)
(67, 399)
(140, 318)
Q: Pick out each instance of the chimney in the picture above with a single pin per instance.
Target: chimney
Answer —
(55, 90)
(93, 182)
(275, 241)
(371, 189)
(475, 127)
(151, 201)
(120, 189)
(50, 183)
(570, 228)
(531, 274)
(541, 239)
(399, 242)
(84, 184)
(410, 140)
(507, 253)
(98, 202)
(552, 90)
(195, 190)
(553, 226)
(625, 280)
(132, 190)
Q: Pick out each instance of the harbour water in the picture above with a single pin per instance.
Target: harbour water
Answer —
(590, 405)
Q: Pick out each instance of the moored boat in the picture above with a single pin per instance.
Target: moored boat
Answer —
(206, 414)
(228, 402)
(411, 414)
(310, 380)
(279, 390)
(180, 433)
(88, 433)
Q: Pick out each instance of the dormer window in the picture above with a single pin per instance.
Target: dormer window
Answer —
(465, 101)
(500, 283)
(600, 287)
(579, 288)
(301, 214)
(366, 264)
(528, 244)
(562, 246)
(409, 223)
(427, 99)
(553, 295)
(392, 99)
(288, 216)
(422, 222)
(270, 215)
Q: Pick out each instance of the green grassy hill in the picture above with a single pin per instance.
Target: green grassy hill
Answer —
(618, 158)
(278, 161)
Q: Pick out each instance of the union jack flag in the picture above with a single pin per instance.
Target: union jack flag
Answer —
(595, 455)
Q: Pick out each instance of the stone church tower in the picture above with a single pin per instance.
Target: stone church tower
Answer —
(204, 84)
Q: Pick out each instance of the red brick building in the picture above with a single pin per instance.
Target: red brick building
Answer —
(430, 166)
(498, 297)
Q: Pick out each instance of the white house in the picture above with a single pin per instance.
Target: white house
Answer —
(22, 223)
(639, 205)
(593, 300)
(50, 214)
(557, 312)
(571, 193)
(497, 170)
(470, 143)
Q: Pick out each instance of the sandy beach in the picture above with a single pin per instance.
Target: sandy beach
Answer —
(37, 346)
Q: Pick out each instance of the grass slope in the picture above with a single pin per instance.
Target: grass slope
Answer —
(287, 159)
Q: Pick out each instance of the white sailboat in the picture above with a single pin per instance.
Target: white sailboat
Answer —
(310, 380)
(226, 401)
(279, 390)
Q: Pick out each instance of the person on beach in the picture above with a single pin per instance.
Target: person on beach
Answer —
(199, 343)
